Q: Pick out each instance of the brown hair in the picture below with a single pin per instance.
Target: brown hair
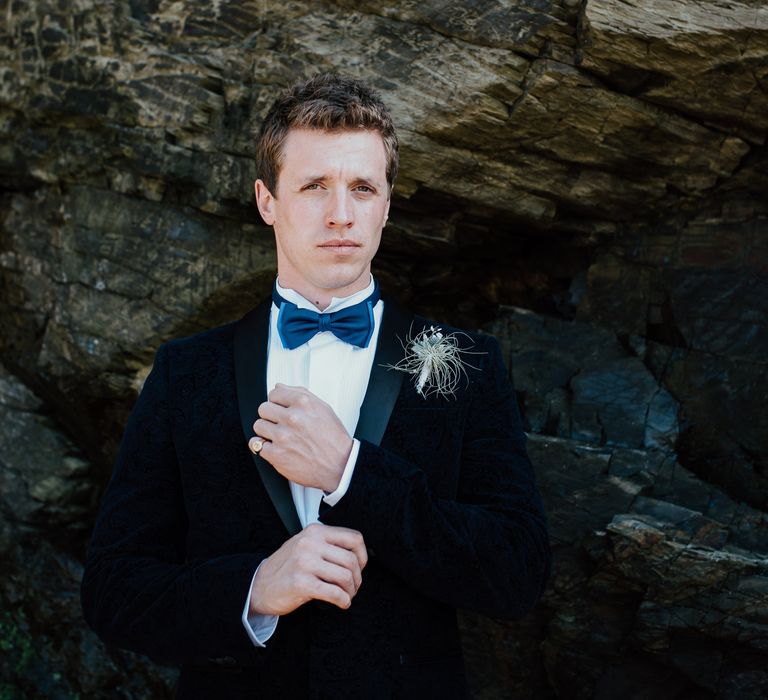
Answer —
(327, 102)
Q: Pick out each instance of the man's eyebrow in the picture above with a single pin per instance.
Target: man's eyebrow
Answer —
(367, 179)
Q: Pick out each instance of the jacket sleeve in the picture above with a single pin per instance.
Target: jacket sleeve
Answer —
(139, 591)
(486, 549)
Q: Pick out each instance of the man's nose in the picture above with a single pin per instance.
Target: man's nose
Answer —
(340, 211)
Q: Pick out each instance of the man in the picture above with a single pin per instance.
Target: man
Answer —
(315, 564)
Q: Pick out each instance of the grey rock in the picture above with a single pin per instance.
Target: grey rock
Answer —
(45, 481)
(652, 576)
(578, 381)
(48, 652)
(688, 586)
(703, 314)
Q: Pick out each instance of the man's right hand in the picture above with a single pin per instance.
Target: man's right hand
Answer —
(321, 562)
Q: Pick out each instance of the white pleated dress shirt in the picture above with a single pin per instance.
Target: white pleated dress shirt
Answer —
(337, 373)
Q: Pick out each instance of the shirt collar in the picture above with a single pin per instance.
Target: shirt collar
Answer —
(337, 303)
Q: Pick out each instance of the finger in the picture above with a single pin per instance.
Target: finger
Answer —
(266, 429)
(273, 412)
(349, 539)
(330, 593)
(256, 444)
(347, 560)
(337, 575)
(284, 395)
(267, 452)
(361, 552)
(344, 537)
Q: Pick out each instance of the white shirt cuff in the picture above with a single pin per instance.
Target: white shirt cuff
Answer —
(335, 496)
(259, 627)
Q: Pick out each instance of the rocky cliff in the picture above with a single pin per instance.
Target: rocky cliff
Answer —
(585, 179)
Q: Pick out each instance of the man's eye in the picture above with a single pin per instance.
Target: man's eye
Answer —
(312, 186)
(363, 188)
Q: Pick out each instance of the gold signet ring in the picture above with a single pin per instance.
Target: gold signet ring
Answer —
(255, 444)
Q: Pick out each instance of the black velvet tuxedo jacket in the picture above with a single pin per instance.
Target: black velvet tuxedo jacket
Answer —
(443, 493)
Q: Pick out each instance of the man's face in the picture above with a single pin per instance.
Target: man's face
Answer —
(330, 206)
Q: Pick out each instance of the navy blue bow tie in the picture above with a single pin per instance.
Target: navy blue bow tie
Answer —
(353, 325)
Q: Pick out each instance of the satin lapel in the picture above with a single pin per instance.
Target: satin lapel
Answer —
(251, 338)
(384, 384)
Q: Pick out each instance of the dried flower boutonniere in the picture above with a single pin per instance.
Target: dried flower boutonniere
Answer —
(434, 360)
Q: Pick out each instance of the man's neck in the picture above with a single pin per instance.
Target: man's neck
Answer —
(320, 298)
(333, 303)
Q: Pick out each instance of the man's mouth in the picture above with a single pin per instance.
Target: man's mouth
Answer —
(337, 243)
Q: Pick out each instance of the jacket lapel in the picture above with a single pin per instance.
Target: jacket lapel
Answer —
(251, 340)
(384, 384)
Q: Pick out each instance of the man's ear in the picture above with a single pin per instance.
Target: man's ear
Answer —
(265, 202)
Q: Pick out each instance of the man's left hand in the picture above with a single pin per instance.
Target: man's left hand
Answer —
(304, 439)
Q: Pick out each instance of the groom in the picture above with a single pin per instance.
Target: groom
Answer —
(290, 517)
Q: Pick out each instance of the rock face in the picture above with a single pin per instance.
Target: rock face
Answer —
(661, 579)
(579, 382)
(639, 47)
(47, 496)
(587, 178)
